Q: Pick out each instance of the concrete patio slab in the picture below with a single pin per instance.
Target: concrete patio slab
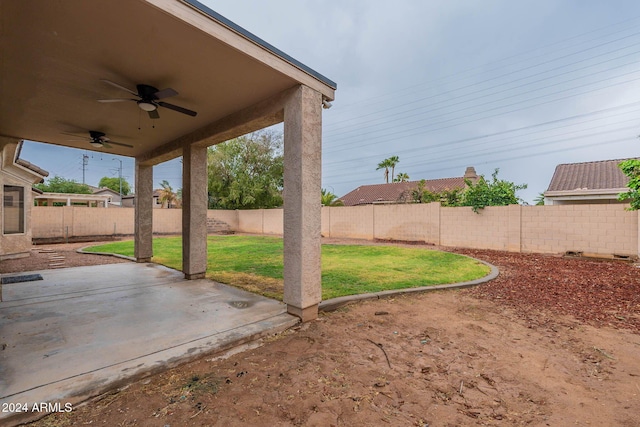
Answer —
(81, 331)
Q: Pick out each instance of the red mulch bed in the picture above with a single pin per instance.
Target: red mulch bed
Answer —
(600, 293)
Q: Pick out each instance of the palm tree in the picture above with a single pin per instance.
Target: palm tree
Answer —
(402, 177)
(539, 201)
(385, 164)
(330, 199)
(166, 194)
(393, 161)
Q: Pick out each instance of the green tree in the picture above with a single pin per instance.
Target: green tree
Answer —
(447, 198)
(114, 184)
(330, 199)
(167, 196)
(247, 172)
(393, 161)
(539, 201)
(402, 177)
(390, 162)
(631, 168)
(385, 164)
(58, 184)
(496, 192)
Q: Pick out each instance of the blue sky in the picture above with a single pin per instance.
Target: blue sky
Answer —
(516, 85)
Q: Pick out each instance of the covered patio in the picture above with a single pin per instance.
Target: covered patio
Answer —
(173, 77)
(81, 331)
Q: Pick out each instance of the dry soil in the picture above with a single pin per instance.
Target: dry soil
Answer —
(550, 342)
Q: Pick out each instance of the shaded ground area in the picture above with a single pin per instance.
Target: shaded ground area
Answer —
(550, 342)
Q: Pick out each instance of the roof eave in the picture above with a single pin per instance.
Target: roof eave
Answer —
(605, 193)
(259, 42)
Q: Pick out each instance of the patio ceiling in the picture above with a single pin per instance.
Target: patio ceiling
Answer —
(55, 53)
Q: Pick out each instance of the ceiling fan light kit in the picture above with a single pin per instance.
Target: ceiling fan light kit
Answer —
(149, 99)
(98, 139)
(147, 106)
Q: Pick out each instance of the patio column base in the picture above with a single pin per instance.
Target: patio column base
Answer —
(194, 276)
(141, 260)
(305, 314)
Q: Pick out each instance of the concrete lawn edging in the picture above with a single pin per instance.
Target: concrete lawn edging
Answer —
(82, 251)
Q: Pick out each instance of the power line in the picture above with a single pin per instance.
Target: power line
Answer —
(387, 116)
(423, 129)
(449, 144)
(526, 68)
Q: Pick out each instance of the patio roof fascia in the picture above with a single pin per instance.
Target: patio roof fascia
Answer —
(260, 42)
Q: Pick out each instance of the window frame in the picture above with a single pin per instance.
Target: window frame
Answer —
(20, 190)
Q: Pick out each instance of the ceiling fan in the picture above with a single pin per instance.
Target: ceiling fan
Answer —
(99, 139)
(149, 99)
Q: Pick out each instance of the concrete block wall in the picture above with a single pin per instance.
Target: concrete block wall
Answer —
(464, 228)
(355, 222)
(273, 221)
(406, 222)
(598, 229)
(251, 221)
(228, 217)
(167, 221)
(81, 221)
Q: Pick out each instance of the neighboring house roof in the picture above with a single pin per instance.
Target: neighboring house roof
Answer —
(598, 175)
(398, 192)
(106, 190)
(591, 182)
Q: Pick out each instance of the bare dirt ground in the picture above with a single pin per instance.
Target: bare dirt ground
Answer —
(550, 342)
(64, 255)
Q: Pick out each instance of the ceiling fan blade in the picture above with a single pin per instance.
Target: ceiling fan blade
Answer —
(165, 93)
(178, 108)
(109, 82)
(120, 144)
(117, 100)
(84, 137)
(154, 114)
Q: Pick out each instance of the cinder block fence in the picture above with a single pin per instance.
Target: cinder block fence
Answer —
(591, 229)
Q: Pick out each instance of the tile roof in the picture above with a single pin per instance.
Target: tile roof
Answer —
(397, 191)
(43, 173)
(600, 175)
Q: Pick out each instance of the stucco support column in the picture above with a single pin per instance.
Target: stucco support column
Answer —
(302, 207)
(143, 238)
(194, 212)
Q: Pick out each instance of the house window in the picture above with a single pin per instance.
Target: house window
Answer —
(13, 207)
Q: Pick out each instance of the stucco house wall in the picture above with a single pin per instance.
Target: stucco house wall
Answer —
(15, 215)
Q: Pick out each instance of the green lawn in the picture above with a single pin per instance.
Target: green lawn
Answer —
(254, 263)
